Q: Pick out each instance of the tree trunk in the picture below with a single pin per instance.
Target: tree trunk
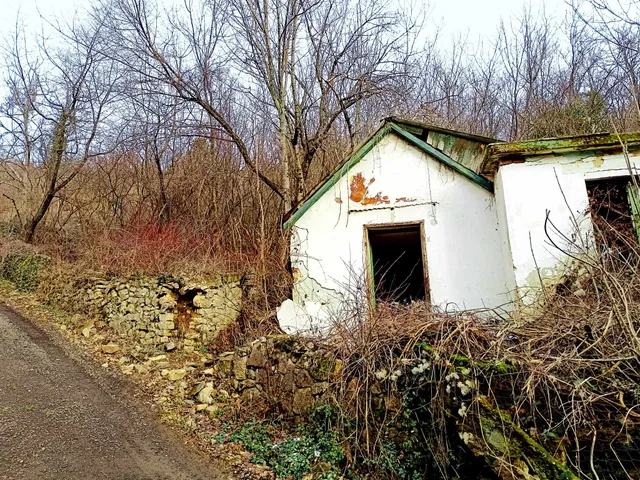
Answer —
(30, 228)
(165, 214)
(58, 147)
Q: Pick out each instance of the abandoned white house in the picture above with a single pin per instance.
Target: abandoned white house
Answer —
(458, 220)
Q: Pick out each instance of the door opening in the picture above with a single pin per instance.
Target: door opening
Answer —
(396, 256)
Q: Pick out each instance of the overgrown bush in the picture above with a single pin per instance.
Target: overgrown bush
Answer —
(22, 269)
(562, 382)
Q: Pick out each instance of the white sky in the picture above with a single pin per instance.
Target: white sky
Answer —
(477, 18)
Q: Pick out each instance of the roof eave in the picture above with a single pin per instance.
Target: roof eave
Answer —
(495, 153)
(323, 187)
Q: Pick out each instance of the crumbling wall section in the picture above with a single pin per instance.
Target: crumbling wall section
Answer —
(154, 310)
(290, 374)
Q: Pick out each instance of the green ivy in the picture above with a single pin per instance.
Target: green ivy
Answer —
(22, 270)
(316, 447)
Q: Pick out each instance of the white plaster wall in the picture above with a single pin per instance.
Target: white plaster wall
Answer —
(503, 235)
(464, 256)
(555, 184)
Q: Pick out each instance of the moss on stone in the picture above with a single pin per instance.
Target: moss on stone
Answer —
(492, 434)
(322, 368)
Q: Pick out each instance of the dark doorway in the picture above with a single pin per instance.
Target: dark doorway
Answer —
(612, 216)
(396, 255)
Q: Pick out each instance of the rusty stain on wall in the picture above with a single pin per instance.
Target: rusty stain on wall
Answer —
(405, 200)
(359, 191)
(338, 200)
(357, 188)
(377, 200)
(598, 161)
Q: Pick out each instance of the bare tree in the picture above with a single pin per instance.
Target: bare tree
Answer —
(615, 28)
(57, 113)
(302, 66)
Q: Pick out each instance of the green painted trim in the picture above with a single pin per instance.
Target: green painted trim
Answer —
(633, 195)
(412, 129)
(444, 158)
(326, 186)
(372, 286)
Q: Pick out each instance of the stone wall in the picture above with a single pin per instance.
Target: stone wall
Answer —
(157, 311)
(161, 310)
(283, 371)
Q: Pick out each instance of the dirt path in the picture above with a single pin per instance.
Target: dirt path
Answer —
(62, 417)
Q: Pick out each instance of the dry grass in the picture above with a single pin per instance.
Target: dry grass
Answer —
(567, 373)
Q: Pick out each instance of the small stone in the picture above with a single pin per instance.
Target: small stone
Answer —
(200, 301)
(196, 389)
(157, 358)
(258, 356)
(141, 369)
(166, 326)
(303, 379)
(302, 400)
(110, 348)
(318, 388)
(208, 371)
(201, 407)
(86, 330)
(212, 410)
(251, 395)
(580, 293)
(174, 375)
(170, 346)
(206, 394)
(240, 368)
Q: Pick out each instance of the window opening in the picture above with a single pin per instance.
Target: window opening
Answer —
(614, 212)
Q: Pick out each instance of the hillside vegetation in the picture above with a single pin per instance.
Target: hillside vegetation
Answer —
(139, 142)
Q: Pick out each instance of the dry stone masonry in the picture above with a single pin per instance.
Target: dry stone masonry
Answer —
(283, 370)
(165, 310)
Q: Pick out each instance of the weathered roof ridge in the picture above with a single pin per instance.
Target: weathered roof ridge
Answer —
(388, 125)
(495, 153)
(436, 128)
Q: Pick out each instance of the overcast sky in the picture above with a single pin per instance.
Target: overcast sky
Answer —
(477, 18)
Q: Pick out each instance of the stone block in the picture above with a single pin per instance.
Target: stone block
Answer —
(303, 379)
(174, 375)
(166, 325)
(110, 348)
(319, 388)
(302, 401)
(240, 368)
(258, 356)
(201, 301)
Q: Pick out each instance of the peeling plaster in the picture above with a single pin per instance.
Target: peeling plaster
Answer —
(406, 185)
(359, 191)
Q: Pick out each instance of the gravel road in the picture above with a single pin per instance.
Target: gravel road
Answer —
(63, 417)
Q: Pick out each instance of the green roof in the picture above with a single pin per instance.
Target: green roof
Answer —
(496, 153)
(404, 129)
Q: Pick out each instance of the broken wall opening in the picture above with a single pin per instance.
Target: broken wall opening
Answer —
(613, 203)
(396, 256)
